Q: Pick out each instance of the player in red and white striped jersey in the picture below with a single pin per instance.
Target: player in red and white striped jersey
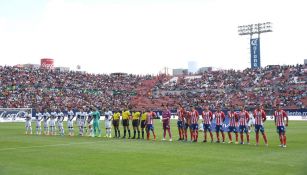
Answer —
(207, 119)
(187, 123)
(219, 117)
(279, 117)
(233, 124)
(180, 122)
(260, 118)
(194, 124)
(243, 121)
(150, 124)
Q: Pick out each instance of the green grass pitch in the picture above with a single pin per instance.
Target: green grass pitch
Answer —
(55, 155)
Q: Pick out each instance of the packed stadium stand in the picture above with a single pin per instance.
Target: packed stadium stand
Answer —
(29, 87)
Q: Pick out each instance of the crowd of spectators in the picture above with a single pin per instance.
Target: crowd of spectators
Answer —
(286, 85)
(32, 88)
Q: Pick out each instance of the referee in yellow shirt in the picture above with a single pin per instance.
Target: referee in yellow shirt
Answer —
(143, 120)
(116, 118)
(135, 123)
(126, 116)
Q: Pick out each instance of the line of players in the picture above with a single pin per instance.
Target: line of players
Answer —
(87, 121)
(53, 121)
(236, 120)
(187, 120)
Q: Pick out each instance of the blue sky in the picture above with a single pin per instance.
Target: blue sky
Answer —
(145, 36)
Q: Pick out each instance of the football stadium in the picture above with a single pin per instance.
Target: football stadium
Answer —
(103, 104)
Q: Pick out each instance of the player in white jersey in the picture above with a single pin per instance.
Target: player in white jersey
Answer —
(28, 126)
(70, 123)
(38, 120)
(46, 117)
(251, 122)
(90, 123)
(108, 118)
(60, 122)
(53, 117)
(78, 115)
(82, 121)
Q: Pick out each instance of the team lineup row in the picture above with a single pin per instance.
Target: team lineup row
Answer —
(88, 123)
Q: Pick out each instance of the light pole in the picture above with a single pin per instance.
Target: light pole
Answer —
(252, 29)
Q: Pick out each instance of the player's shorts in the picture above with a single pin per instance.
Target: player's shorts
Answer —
(143, 124)
(207, 127)
(107, 124)
(28, 124)
(219, 128)
(281, 129)
(194, 126)
(180, 124)
(259, 128)
(60, 125)
(186, 126)
(82, 123)
(135, 123)
(166, 126)
(38, 124)
(149, 127)
(115, 123)
(46, 124)
(243, 128)
(232, 129)
(70, 124)
(51, 123)
(125, 122)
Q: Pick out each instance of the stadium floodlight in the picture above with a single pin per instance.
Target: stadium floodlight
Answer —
(255, 28)
(252, 29)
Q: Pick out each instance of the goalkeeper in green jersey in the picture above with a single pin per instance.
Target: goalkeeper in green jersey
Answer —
(96, 118)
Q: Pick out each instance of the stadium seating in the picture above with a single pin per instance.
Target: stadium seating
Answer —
(27, 87)
(270, 85)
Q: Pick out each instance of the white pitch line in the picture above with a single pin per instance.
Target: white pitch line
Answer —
(43, 146)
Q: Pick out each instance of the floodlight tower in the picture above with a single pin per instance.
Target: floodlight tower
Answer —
(252, 29)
